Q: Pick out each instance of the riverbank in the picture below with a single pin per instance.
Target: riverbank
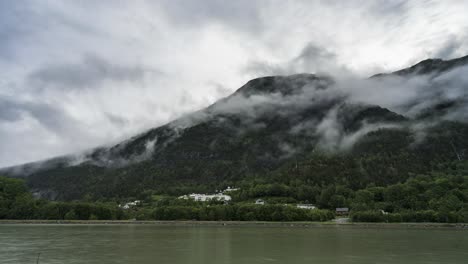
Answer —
(238, 223)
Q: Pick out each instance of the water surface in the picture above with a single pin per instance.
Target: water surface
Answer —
(105, 244)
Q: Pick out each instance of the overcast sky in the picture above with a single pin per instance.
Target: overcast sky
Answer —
(79, 74)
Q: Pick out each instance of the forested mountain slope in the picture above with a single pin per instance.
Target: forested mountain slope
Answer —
(302, 130)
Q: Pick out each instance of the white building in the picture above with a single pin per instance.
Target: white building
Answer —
(306, 206)
(229, 189)
(206, 197)
(130, 204)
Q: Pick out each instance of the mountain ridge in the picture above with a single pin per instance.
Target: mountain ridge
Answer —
(433, 65)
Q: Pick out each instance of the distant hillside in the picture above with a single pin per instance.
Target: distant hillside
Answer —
(298, 129)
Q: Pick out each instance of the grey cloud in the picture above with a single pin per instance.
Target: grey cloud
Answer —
(23, 22)
(11, 29)
(310, 59)
(117, 120)
(220, 89)
(50, 117)
(450, 48)
(329, 130)
(89, 72)
(315, 59)
(9, 111)
(390, 8)
(332, 135)
(243, 14)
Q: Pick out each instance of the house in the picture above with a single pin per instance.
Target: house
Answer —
(260, 202)
(342, 211)
(306, 206)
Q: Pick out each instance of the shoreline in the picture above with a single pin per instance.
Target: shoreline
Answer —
(238, 223)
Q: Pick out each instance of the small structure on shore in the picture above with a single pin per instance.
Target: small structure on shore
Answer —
(306, 206)
(260, 202)
(342, 211)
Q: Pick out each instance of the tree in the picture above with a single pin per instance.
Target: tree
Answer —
(71, 215)
(23, 207)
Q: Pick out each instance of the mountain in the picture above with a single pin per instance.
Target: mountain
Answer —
(300, 129)
(429, 66)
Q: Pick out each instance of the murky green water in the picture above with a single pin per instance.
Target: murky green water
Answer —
(203, 245)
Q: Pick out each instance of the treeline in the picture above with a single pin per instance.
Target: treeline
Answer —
(243, 212)
(410, 216)
(16, 202)
(439, 196)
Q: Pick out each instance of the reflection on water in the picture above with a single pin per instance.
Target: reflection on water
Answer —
(143, 244)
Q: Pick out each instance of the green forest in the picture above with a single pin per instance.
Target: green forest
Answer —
(16, 202)
(439, 196)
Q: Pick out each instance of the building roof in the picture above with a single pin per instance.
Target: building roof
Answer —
(344, 209)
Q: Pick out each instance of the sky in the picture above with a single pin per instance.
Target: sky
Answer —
(80, 74)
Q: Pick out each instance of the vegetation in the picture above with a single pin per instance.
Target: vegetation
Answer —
(415, 169)
(16, 202)
(439, 196)
(243, 212)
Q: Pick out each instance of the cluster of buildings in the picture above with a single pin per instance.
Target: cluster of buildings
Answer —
(219, 196)
(129, 204)
(338, 211)
(302, 206)
(306, 206)
(206, 197)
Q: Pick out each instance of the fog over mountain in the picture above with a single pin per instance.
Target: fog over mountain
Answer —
(79, 75)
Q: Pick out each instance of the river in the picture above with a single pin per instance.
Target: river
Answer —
(145, 244)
